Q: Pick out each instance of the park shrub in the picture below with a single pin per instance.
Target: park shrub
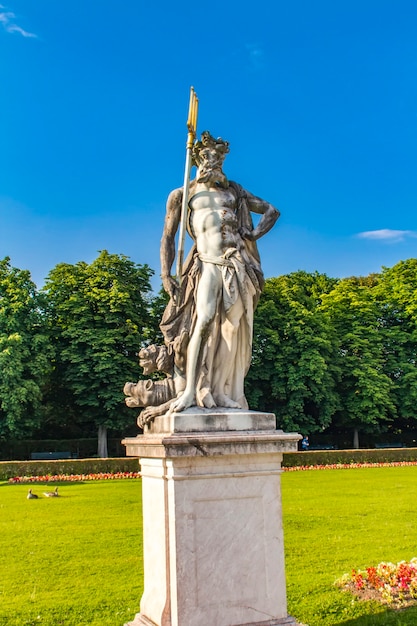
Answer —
(11, 469)
(333, 457)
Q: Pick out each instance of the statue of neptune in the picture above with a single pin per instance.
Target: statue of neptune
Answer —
(207, 324)
(222, 280)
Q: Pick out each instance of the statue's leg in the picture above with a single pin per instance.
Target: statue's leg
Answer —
(207, 297)
(226, 356)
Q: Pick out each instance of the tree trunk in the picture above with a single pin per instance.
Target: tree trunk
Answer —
(102, 442)
(355, 438)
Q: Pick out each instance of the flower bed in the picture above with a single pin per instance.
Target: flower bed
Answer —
(389, 583)
(57, 478)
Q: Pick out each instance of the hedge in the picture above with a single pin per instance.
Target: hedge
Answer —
(11, 469)
(330, 457)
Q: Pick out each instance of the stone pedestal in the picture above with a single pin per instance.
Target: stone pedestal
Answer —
(212, 519)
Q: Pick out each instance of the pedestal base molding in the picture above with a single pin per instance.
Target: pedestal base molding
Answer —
(141, 620)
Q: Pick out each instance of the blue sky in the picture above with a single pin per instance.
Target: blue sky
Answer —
(317, 99)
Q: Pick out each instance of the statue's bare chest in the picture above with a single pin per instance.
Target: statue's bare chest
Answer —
(212, 200)
(212, 210)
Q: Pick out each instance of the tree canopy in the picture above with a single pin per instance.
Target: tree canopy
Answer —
(337, 352)
(25, 352)
(397, 296)
(363, 388)
(98, 317)
(328, 353)
(293, 371)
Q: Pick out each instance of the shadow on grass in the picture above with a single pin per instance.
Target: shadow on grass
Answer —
(387, 617)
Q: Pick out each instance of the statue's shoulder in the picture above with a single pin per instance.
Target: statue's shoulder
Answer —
(240, 193)
(237, 189)
(175, 197)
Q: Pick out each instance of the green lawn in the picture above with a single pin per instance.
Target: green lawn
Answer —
(74, 560)
(336, 520)
(77, 560)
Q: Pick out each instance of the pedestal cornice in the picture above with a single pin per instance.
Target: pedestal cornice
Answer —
(210, 444)
(210, 433)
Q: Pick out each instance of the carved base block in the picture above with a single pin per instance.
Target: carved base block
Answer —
(141, 620)
(217, 420)
(212, 520)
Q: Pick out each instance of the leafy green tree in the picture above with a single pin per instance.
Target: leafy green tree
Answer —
(25, 352)
(398, 302)
(156, 309)
(99, 316)
(293, 372)
(365, 391)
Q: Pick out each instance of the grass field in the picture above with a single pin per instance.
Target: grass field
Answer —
(77, 560)
(74, 560)
(342, 519)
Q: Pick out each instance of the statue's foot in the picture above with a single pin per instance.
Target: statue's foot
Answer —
(206, 399)
(183, 402)
(224, 401)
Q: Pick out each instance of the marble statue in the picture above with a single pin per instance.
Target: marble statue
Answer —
(207, 324)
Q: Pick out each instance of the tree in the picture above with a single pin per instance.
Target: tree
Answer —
(293, 373)
(25, 352)
(99, 315)
(364, 389)
(157, 307)
(397, 294)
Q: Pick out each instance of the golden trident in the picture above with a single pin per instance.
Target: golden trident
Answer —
(192, 131)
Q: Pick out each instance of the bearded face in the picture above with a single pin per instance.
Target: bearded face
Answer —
(210, 167)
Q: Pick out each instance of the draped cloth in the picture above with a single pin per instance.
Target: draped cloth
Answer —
(242, 279)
